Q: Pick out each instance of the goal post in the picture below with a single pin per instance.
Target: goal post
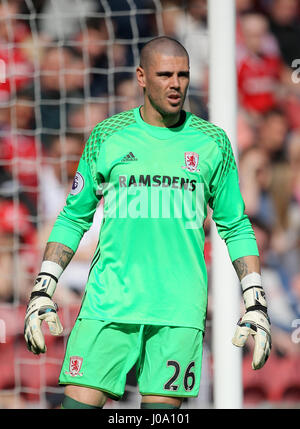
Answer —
(226, 295)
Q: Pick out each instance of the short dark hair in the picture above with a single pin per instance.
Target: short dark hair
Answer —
(164, 44)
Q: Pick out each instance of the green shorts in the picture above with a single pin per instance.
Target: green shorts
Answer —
(100, 354)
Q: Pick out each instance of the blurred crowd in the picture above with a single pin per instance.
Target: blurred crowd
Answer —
(65, 66)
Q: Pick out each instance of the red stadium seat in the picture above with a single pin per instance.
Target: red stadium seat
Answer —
(68, 315)
(54, 358)
(21, 368)
(9, 318)
(287, 386)
(255, 383)
(28, 370)
(7, 373)
(38, 372)
(278, 380)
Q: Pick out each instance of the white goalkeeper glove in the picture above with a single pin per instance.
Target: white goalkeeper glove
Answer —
(255, 321)
(41, 307)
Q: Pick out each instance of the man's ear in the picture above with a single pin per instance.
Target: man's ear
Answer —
(140, 75)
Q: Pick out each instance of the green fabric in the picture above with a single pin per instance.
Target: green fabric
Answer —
(158, 406)
(157, 184)
(70, 403)
(100, 354)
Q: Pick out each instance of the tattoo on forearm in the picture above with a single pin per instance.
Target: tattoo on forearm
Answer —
(241, 267)
(58, 253)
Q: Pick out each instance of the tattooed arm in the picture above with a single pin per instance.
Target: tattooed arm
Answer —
(246, 265)
(41, 307)
(58, 253)
(255, 321)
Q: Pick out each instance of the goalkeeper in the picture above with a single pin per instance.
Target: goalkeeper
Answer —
(157, 168)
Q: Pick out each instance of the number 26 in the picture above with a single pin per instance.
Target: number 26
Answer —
(188, 379)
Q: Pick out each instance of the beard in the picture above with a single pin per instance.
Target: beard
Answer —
(163, 109)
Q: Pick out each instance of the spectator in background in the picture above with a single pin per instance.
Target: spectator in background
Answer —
(191, 30)
(18, 68)
(100, 57)
(128, 94)
(19, 146)
(56, 181)
(59, 170)
(284, 22)
(189, 26)
(83, 117)
(285, 240)
(293, 156)
(283, 306)
(290, 99)
(259, 67)
(246, 134)
(17, 237)
(61, 18)
(23, 110)
(170, 14)
(122, 21)
(62, 78)
(20, 114)
(4, 110)
(61, 70)
(272, 134)
(256, 174)
(242, 7)
(91, 42)
(295, 285)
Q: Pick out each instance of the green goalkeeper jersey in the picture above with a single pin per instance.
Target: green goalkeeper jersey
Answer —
(157, 183)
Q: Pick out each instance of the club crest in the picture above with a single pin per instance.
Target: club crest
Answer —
(75, 366)
(191, 161)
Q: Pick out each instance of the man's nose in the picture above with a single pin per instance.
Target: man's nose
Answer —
(175, 82)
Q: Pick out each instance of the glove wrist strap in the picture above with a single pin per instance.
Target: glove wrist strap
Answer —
(47, 279)
(258, 307)
(39, 293)
(253, 292)
(52, 268)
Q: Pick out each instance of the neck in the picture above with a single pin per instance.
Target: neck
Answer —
(153, 117)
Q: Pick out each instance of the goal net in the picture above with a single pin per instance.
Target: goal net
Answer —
(64, 67)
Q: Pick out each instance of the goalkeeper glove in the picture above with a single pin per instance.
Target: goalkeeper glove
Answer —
(41, 307)
(255, 321)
